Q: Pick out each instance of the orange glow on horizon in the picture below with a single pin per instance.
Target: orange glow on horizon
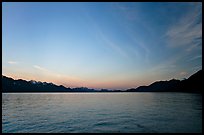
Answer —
(76, 82)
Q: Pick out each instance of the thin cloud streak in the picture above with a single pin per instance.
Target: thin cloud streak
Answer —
(61, 79)
(13, 62)
(114, 46)
(133, 15)
(108, 42)
(40, 68)
(196, 57)
(187, 32)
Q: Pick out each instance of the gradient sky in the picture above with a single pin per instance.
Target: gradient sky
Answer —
(101, 45)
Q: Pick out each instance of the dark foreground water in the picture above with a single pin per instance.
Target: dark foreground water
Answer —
(102, 112)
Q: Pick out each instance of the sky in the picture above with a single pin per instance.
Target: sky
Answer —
(109, 45)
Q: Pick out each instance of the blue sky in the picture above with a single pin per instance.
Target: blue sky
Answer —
(101, 45)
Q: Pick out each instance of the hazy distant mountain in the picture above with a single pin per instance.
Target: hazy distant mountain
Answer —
(192, 84)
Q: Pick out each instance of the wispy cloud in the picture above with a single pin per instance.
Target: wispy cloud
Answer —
(115, 47)
(185, 36)
(40, 68)
(47, 71)
(167, 65)
(112, 45)
(141, 45)
(129, 11)
(187, 32)
(134, 15)
(196, 57)
(58, 78)
(13, 62)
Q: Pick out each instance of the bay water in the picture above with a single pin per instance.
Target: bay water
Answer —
(122, 112)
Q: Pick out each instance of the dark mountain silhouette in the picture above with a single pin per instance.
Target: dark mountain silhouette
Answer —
(192, 84)
(158, 86)
(11, 85)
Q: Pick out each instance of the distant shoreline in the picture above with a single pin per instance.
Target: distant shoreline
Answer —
(193, 84)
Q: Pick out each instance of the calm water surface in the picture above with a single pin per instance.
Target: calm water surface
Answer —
(102, 112)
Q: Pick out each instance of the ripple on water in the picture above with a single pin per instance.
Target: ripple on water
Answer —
(119, 113)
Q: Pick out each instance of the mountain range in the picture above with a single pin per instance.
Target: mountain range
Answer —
(192, 84)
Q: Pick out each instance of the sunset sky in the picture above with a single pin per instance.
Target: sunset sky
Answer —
(101, 45)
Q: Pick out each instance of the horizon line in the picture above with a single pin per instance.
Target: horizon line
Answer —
(98, 88)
